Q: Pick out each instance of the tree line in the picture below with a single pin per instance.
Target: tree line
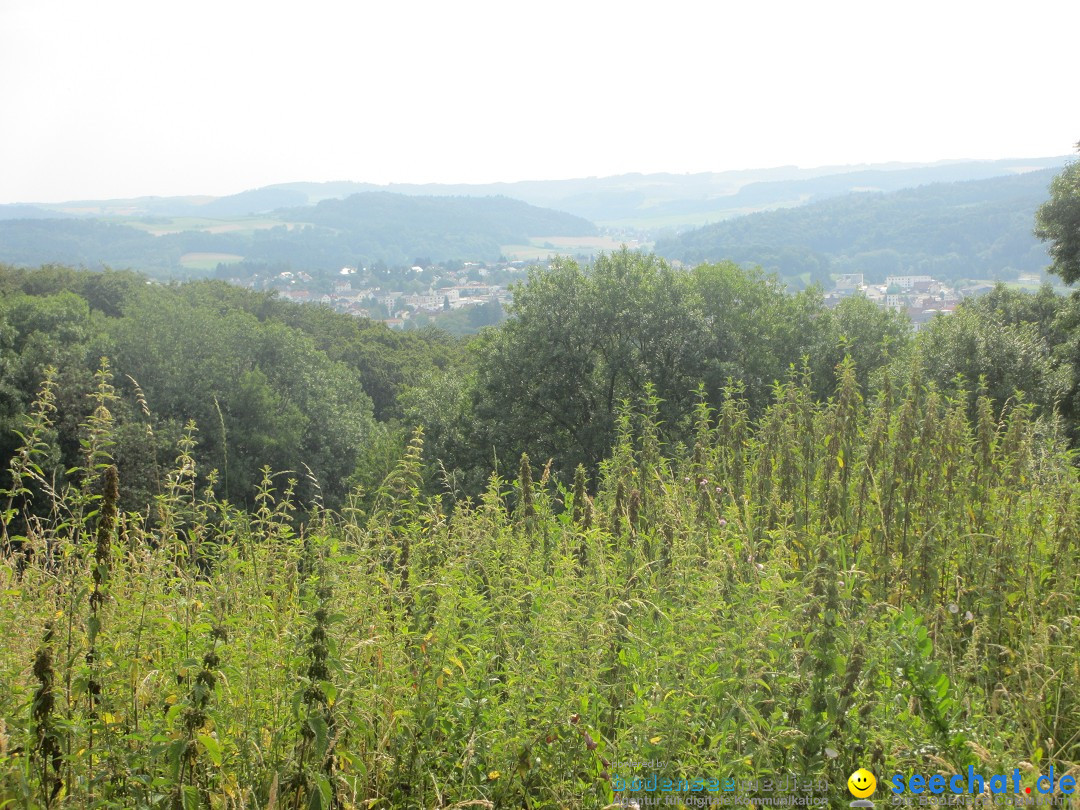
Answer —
(333, 398)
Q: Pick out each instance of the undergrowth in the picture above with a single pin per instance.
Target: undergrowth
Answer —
(879, 582)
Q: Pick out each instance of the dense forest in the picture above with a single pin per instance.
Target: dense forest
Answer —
(980, 229)
(360, 230)
(257, 554)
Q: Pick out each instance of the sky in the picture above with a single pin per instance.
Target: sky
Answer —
(121, 99)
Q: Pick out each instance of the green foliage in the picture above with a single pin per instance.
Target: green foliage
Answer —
(983, 348)
(582, 339)
(260, 389)
(974, 229)
(387, 360)
(878, 576)
(860, 329)
(464, 321)
(1058, 221)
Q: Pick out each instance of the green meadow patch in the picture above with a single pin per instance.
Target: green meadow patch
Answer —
(208, 261)
(541, 247)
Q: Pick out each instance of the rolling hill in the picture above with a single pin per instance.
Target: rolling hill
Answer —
(364, 228)
(973, 229)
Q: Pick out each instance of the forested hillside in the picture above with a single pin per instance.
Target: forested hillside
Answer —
(360, 230)
(972, 230)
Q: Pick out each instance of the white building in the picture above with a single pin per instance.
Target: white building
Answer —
(907, 282)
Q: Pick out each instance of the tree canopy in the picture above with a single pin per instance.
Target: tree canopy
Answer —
(581, 340)
(265, 381)
(1058, 221)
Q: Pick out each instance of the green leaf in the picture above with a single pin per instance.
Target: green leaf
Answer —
(322, 734)
(323, 795)
(93, 626)
(942, 686)
(329, 690)
(189, 797)
(173, 754)
(213, 748)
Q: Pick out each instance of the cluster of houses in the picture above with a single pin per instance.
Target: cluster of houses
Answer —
(393, 307)
(921, 297)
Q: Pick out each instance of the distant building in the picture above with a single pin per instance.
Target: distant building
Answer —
(907, 282)
(450, 293)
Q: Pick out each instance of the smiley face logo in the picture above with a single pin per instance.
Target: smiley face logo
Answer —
(862, 783)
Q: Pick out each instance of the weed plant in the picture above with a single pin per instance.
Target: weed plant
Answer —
(876, 580)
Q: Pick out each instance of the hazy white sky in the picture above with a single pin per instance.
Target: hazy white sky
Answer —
(116, 98)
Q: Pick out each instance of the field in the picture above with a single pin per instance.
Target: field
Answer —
(159, 226)
(208, 261)
(889, 583)
(542, 247)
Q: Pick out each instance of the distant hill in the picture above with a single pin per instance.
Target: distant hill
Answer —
(653, 202)
(974, 229)
(91, 243)
(365, 228)
(322, 226)
(648, 203)
(247, 203)
(502, 218)
(20, 211)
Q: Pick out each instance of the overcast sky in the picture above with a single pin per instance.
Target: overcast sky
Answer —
(115, 98)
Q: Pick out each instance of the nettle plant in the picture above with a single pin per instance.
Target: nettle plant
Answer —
(887, 578)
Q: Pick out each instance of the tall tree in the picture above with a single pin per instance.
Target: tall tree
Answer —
(1058, 221)
(580, 340)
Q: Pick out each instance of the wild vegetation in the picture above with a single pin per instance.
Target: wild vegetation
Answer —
(881, 581)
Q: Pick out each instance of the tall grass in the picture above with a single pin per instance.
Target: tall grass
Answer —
(874, 580)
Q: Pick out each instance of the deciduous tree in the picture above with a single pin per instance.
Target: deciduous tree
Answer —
(1058, 221)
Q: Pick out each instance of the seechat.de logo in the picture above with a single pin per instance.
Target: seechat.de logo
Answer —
(862, 785)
